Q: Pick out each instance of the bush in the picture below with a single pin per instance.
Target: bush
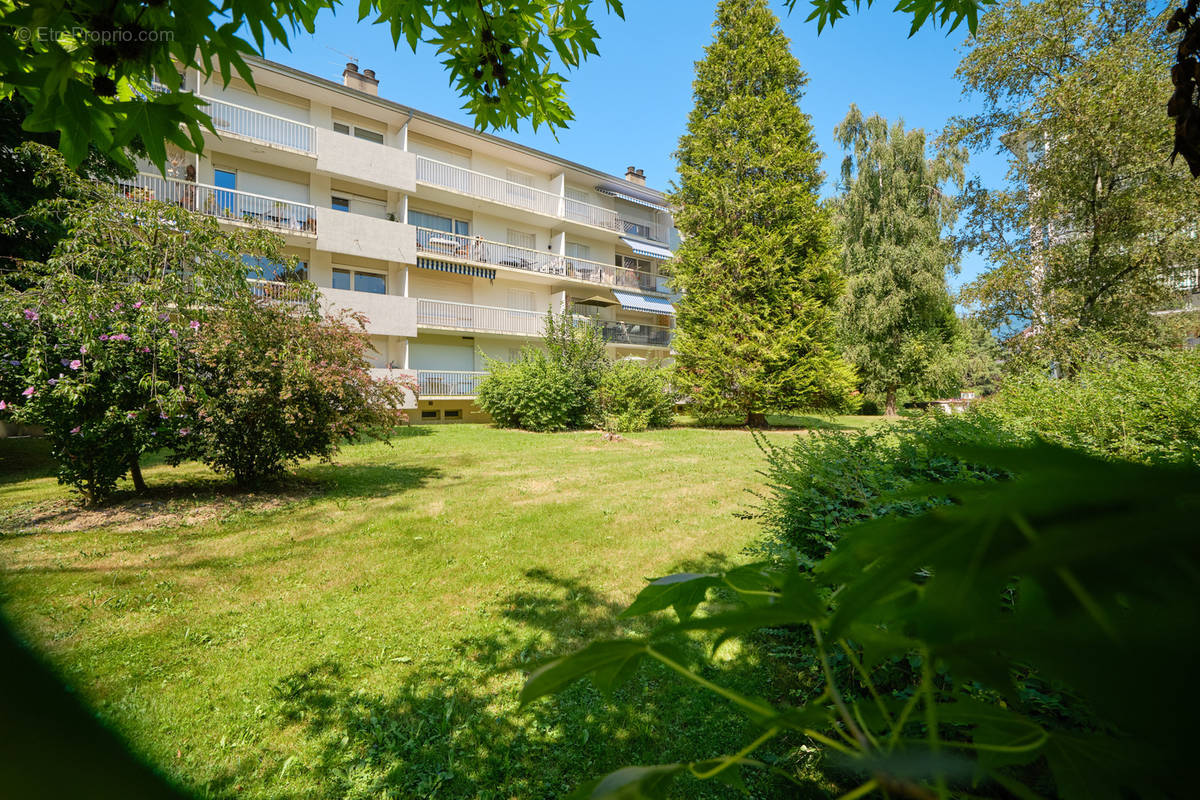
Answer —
(278, 387)
(1143, 409)
(819, 483)
(533, 393)
(554, 390)
(635, 396)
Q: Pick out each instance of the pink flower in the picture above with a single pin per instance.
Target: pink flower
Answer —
(119, 337)
(138, 304)
(28, 392)
(173, 332)
(145, 349)
(31, 315)
(131, 415)
(184, 431)
(83, 350)
(3, 405)
(194, 324)
(75, 430)
(104, 337)
(76, 364)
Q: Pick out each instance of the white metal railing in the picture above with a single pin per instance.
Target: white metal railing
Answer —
(260, 126)
(591, 215)
(228, 204)
(441, 383)
(477, 250)
(276, 290)
(489, 319)
(511, 193)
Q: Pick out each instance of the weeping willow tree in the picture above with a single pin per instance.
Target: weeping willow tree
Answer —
(897, 320)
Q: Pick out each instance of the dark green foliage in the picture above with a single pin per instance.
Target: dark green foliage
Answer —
(823, 482)
(1144, 408)
(634, 396)
(755, 326)
(1038, 574)
(894, 216)
(84, 68)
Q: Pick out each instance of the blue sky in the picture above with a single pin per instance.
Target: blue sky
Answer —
(631, 103)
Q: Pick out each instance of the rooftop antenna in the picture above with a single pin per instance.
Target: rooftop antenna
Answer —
(346, 57)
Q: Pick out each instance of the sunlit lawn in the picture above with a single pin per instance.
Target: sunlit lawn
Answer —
(366, 636)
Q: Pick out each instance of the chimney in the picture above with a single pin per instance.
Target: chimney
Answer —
(635, 175)
(364, 81)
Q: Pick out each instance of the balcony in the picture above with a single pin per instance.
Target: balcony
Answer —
(361, 235)
(476, 250)
(387, 314)
(260, 127)
(374, 164)
(634, 333)
(445, 315)
(228, 205)
(435, 383)
(517, 195)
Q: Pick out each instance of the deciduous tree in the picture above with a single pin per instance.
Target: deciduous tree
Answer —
(757, 266)
(897, 321)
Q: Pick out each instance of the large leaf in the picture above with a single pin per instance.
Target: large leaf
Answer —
(607, 662)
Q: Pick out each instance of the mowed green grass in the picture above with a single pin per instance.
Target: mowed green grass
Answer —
(368, 635)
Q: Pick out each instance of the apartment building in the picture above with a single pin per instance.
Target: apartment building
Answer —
(453, 243)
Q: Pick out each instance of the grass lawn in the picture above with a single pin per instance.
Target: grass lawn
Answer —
(362, 631)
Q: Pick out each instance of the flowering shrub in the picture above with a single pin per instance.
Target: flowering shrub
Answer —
(142, 333)
(277, 386)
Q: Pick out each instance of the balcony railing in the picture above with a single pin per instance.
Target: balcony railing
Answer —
(227, 204)
(511, 193)
(487, 319)
(634, 333)
(259, 126)
(281, 291)
(482, 251)
(436, 383)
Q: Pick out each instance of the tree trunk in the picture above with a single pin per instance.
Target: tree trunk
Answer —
(890, 408)
(135, 472)
(756, 419)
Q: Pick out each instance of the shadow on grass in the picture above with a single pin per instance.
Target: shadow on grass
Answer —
(23, 458)
(454, 730)
(776, 422)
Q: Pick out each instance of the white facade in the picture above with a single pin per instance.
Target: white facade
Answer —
(453, 243)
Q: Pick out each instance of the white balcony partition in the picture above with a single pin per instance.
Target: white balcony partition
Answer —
(387, 314)
(361, 235)
(227, 204)
(259, 126)
(483, 319)
(440, 383)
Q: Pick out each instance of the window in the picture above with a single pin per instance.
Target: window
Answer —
(225, 178)
(357, 132)
(258, 268)
(578, 250)
(226, 201)
(636, 228)
(422, 219)
(359, 281)
(522, 239)
(371, 282)
(370, 136)
(341, 204)
(429, 414)
(452, 413)
(514, 354)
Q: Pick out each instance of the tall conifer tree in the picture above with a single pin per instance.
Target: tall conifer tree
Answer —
(756, 323)
(897, 320)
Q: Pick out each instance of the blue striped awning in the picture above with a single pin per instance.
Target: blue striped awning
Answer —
(644, 248)
(641, 302)
(629, 197)
(457, 269)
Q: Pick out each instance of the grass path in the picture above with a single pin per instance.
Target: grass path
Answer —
(366, 639)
